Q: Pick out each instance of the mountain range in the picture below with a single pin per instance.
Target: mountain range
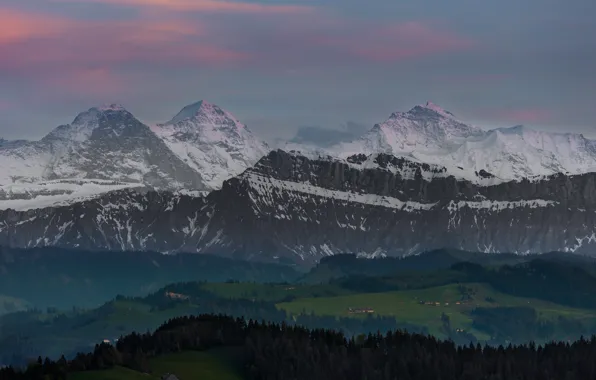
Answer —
(202, 182)
(106, 148)
(429, 134)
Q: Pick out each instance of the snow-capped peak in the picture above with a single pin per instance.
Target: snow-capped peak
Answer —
(188, 112)
(423, 130)
(441, 111)
(80, 129)
(430, 134)
(426, 111)
(86, 122)
(205, 113)
(94, 113)
(110, 107)
(211, 141)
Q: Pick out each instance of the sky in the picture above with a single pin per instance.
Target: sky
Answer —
(279, 65)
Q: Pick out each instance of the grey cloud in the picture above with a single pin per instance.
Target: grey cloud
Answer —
(532, 54)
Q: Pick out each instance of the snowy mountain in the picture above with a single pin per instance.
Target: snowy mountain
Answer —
(103, 149)
(420, 180)
(429, 134)
(212, 142)
(109, 143)
(291, 208)
(106, 148)
(519, 152)
(426, 130)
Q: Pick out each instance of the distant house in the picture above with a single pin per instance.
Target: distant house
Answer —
(176, 296)
(169, 376)
(358, 310)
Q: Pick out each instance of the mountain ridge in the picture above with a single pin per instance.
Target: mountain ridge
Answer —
(298, 209)
(202, 182)
(107, 144)
(211, 141)
(427, 133)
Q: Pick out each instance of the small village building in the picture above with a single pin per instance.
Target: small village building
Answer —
(176, 296)
(358, 310)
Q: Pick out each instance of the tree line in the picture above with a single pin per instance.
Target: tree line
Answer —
(289, 352)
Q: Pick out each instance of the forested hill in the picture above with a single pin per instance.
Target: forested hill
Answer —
(272, 352)
(63, 278)
(349, 265)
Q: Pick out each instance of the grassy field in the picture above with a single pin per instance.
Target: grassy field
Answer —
(273, 292)
(125, 317)
(122, 318)
(425, 306)
(11, 304)
(422, 307)
(209, 365)
(190, 365)
(117, 373)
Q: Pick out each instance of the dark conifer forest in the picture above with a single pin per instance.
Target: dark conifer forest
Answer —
(282, 352)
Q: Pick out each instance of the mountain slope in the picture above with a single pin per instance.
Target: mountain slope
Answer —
(519, 152)
(293, 208)
(111, 144)
(429, 134)
(212, 142)
(424, 129)
(107, 148)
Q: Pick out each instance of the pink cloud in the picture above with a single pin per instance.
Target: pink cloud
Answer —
(473, 78)
(396, 42)
(95, 83)
(202, 5)
(527, 115)
(96, 58)
(36, 43)
(40, 43)
(5, 105)
(17, 26)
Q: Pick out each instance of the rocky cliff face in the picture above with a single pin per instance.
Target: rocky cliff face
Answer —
(293, 208)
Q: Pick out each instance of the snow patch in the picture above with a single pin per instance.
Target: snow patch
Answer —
(454, 206)
(111, 107)
(265, 187)
(21, 197)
